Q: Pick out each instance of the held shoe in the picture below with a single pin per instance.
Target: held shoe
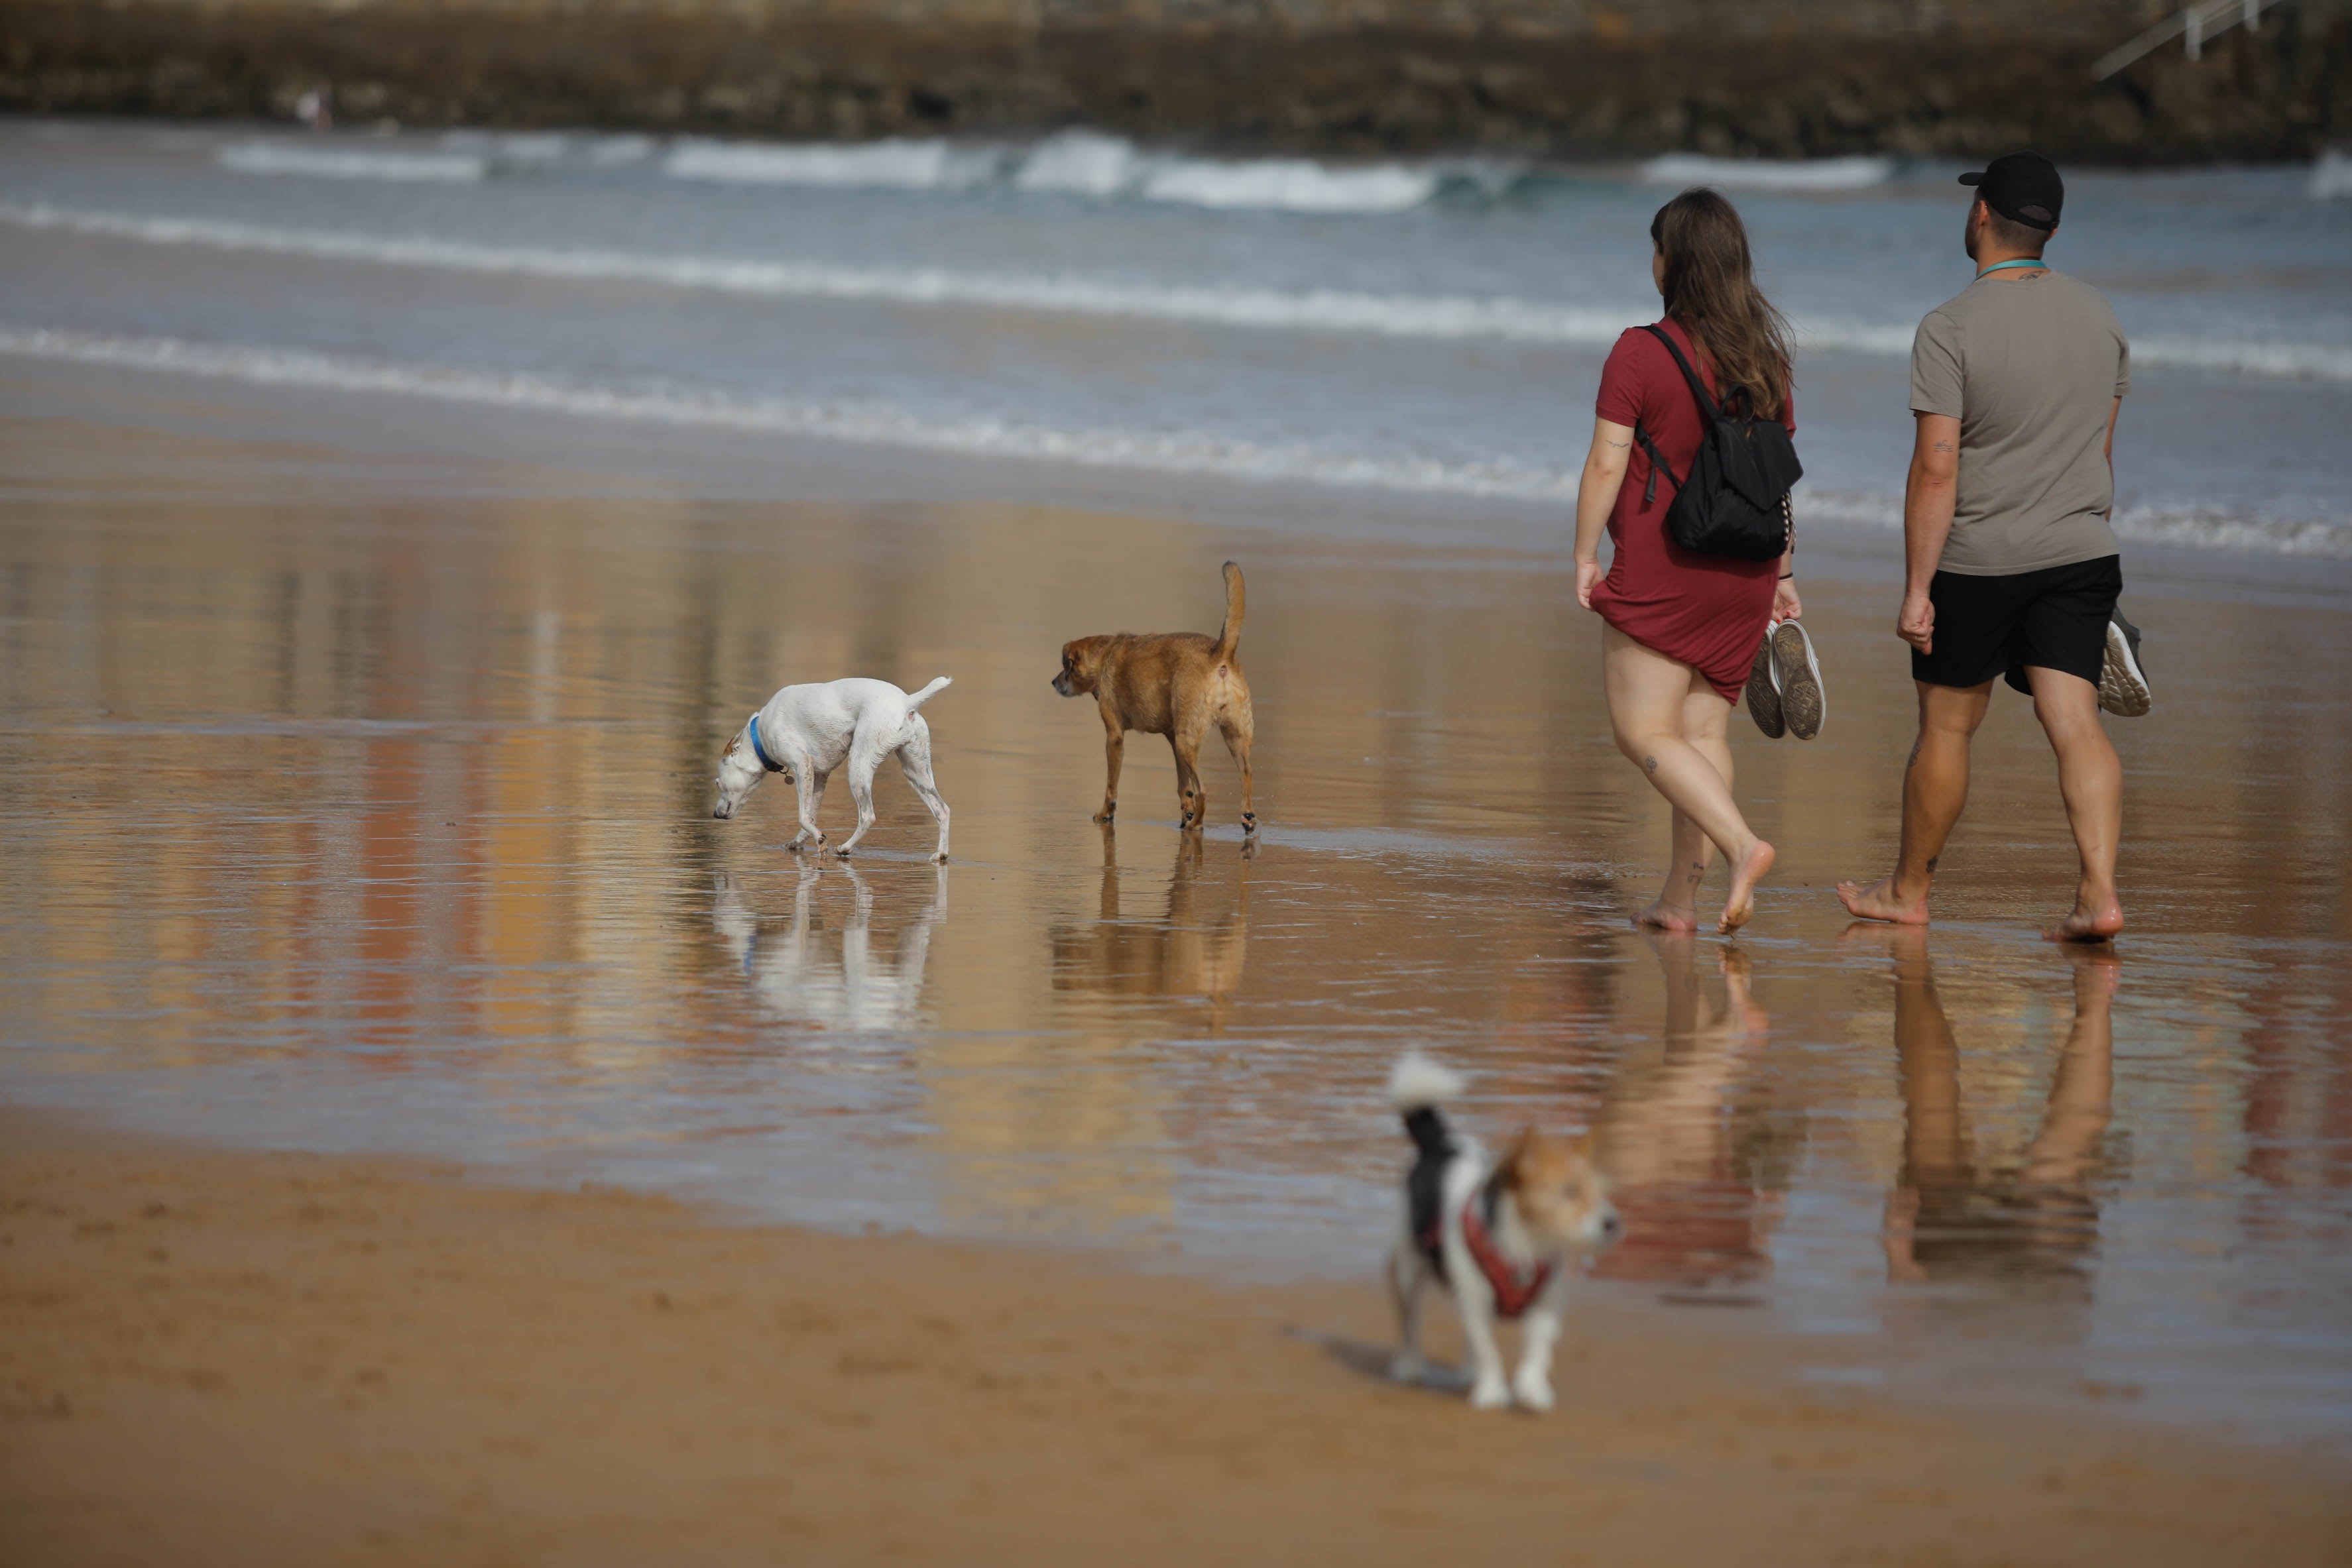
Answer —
(2123, 686)
(1797, 675)
(1764, 690)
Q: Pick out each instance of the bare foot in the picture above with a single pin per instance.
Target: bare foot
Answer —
(1740, 902)
(1879, 902)
(2088, 921)
(1664, 916)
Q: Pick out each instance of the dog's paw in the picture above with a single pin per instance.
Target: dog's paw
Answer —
(1490, 1393)
(1105, 816)
(940, 858)
(1249, 822)
(1532, 1392)
(842, 853)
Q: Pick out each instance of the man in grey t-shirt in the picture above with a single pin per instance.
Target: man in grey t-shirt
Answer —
(2012, 565)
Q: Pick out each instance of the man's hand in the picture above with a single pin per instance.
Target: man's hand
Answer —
(1915, 623)
(1588, 578)
(1785, 605)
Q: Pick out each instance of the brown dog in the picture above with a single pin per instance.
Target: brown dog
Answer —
(1175, 683)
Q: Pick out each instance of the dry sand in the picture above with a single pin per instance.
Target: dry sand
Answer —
(220, 1357)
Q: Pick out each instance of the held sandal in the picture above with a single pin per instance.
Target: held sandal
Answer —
(1797, 674)
(1764, 690)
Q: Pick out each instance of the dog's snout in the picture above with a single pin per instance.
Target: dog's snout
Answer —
(720, 811)
(1610, 1226)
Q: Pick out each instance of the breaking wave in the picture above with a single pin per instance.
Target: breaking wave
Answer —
(1074, 163)
(2331, 176)
(352, 162)
(1456, 317)
(1768, 174)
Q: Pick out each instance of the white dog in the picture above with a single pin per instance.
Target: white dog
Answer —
(805, 733)
(1498, 1235)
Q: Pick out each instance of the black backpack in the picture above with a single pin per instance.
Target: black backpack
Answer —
(1735, 499)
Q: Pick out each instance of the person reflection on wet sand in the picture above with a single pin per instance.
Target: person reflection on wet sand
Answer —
(801, 977)
(1694, 1168)
(1183, 955)
(1951, 1217)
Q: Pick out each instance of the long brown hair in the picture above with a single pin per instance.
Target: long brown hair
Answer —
(1710, 287)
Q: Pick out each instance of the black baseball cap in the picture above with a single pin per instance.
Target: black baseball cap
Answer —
(2023, 187)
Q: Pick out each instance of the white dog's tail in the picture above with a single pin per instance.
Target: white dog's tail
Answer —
(1416, 1083)
(917, 699)
(1417, 1087)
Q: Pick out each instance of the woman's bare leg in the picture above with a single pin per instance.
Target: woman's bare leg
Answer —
(1705, 719)
(1648, 695)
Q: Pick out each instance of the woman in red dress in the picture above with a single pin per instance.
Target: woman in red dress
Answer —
(1683, 629)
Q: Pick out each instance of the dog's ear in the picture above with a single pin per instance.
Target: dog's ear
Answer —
(733, 741)
(1510, 1170)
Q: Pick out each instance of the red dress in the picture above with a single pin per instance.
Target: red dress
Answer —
(1707, 610)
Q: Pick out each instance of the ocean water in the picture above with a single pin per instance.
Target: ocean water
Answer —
(1432, 328)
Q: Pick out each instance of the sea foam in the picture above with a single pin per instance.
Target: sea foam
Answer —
(1768, 174)
(1075, 163)
(352, 162)
(860, 423)
(896, 164)
(2331, 176)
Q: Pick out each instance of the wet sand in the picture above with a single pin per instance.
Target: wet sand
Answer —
(215, 1357)
(354, 792)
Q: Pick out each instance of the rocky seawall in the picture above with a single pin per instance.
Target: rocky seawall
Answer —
(1546, 77)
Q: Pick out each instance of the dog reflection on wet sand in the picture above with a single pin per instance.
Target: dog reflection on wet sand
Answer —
(1195, 950)
(828, 976)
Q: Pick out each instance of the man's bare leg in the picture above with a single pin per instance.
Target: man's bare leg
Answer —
(2091, 778)
(1935, 790)
(1704, 720)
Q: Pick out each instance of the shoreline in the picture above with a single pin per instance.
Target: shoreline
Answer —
(541, 452)
(288, 1357)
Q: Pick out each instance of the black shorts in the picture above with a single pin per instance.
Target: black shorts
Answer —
(2055, 619)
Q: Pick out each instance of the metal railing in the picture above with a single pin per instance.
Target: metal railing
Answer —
(2196, 24)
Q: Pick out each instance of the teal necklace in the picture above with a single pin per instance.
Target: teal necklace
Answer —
(2005, 265)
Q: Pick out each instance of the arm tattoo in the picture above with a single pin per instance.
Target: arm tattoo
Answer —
(1943, 446)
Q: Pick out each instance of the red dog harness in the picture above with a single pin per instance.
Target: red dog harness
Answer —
(1514, 1293)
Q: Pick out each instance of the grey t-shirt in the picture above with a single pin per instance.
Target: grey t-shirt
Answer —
(2030, 367)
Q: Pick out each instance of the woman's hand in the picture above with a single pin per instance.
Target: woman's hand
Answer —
(1588, 578)
(1785, 605)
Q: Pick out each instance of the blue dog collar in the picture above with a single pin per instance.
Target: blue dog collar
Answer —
(760, 751)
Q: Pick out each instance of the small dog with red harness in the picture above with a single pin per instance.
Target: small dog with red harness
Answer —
(1500, 1236)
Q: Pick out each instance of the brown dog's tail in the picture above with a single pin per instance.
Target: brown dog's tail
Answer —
(1230, 637)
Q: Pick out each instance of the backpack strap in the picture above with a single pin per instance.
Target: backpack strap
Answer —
(1706, 409)
(1658, 466)
(1698, 388)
